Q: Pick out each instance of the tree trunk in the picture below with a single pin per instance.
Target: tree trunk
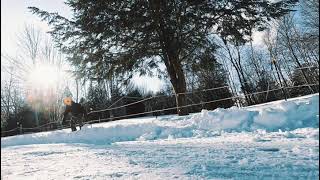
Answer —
(178, 82)
(239, 70)
(279, 78)
(170, 53)
(77, 91)
(180, 87)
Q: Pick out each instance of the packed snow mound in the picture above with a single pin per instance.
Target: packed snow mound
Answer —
(302, 112)
(287, 115)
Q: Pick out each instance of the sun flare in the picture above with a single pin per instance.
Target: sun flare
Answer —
(44, 76)
(43, 83)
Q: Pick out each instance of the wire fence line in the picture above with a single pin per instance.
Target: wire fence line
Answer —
(38, 127)
(191, 92)
(308, 67)
(197, 104)
(42, 125)
(152, 97)
(54, 122)
(108, 109)
(204, 90)
(128, 97)
(9, 130)
(236, 97)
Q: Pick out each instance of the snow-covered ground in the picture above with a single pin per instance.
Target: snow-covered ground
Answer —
(277, 140)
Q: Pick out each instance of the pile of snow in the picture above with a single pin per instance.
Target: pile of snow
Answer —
(281, 115)
(287, 115)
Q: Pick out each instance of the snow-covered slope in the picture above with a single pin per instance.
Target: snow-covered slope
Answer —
(282, 115)
(277, 140)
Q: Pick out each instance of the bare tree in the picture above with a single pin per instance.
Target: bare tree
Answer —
(235, 58)
(36, 46)
(310, 15)
(30, 41)
(11, 98)
(272, 48)
(286, 34)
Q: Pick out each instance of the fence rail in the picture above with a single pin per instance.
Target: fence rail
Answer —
(236, 97)
(202, 103)
(110, 108)
(9, 130)
(152, 97)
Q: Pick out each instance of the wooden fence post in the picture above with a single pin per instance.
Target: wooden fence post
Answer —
(20, 128)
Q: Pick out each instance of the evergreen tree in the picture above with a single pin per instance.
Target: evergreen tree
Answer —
(123, 37)
(298, 79)
(267, 83)
(67, 92)
(210, 74)
(133, 95)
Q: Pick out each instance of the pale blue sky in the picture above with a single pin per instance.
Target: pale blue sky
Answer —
(14, 15)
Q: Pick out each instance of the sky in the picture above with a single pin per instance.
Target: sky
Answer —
(15, 15)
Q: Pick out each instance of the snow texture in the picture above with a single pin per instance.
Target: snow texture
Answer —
(277, 140)
(283, 115)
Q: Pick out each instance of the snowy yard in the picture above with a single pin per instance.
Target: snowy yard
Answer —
(278, 140)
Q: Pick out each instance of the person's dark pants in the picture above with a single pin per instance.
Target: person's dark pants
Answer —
(76, 120)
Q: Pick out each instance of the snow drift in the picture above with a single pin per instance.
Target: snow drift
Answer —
(302, 112)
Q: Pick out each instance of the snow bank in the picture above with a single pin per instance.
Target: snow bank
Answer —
(288, 115)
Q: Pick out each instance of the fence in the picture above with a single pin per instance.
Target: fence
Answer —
(234, 98)
(22, 130)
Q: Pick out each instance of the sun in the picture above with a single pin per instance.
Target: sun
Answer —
(43, 83)
(44, 76)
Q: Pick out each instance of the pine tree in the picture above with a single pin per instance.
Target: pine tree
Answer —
(123, 37)
(210, 74)
(298, 79)
(67, 92)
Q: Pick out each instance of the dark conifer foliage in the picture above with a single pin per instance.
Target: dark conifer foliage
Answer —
(208, 74)
(115, 37)
(298, 79)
